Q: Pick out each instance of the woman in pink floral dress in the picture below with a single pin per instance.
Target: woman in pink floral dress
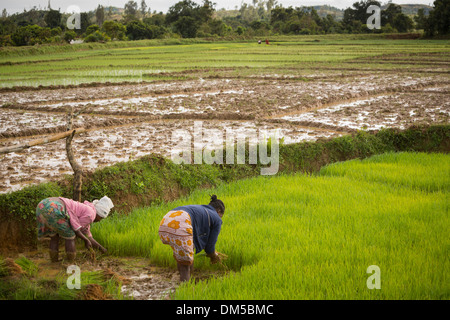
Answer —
(64, 218)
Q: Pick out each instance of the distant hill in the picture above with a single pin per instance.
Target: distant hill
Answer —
(324, 10)
(411, 9)
(408, 9)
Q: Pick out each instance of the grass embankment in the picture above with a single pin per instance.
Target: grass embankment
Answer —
(306, 236)
(153, 180)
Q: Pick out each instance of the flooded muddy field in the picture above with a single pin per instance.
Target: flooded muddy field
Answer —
(101, 147)
(127, 121)
(148, 105)
(258, 98)
(383, 111)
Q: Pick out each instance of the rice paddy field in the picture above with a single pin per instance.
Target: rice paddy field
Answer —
(306, 88)
(314, 236)
(287, 237)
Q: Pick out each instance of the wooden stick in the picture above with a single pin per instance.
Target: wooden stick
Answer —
(38, 142)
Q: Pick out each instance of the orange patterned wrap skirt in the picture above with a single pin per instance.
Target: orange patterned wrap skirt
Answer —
(175, 230)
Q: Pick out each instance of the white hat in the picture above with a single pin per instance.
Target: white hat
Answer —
(103, 206)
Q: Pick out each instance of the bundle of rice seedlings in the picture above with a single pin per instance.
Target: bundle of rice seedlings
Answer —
(28, 266)
(9, 268)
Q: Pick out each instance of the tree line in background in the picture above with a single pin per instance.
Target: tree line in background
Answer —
(188, 19)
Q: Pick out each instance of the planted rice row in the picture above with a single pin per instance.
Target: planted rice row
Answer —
(313, 237)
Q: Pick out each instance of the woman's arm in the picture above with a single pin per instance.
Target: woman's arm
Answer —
(87, 234)
(80, 235)
(210, 247)
(97, 245)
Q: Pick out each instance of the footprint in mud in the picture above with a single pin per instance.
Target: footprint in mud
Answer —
(151, 286)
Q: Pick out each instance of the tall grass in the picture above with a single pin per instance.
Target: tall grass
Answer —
(411, 170)
(313, 237)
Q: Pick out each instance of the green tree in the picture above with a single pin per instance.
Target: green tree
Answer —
(69, 35)
(185, 8)
(355, 18)
(114, 30)
(85, 22)
(143, 9)
(403, 23)
(393, 16)
(240, 30)
(205, 11)
(92, 28)
(100, 15)
(97, 36)
(156, 19)
(187, 26)
(28, 35)
(56, 31)
(439, 19)
(7, 26)
(420, 19)
(213, 27)
(53, 18)
(293, 25)
(44, 34)
(137, 30)
(330, 25)
(186, 17)
(388, 15)
(131, 10)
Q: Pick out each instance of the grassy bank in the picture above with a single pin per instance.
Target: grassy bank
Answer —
(314, 236)
(153, 180)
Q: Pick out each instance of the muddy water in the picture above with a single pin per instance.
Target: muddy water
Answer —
(383, 111)
(156, 285)
(99, 148)
(140, 279)
(124, 121)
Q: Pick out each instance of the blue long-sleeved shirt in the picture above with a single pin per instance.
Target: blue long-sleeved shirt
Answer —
(205, 230)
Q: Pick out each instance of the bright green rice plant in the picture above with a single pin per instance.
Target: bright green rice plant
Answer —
(110, 286)
(313, 237)
(130, 61)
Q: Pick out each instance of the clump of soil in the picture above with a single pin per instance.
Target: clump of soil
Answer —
(93, 292)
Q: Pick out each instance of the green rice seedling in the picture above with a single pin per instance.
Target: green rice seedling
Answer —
(129, 61)
(413, 170)
(111, 287)
(314, 236)
(28, 266)
(3, 268)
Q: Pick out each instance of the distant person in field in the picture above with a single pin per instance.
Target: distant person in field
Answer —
(192, 226)
(65, 218)
(267, 41)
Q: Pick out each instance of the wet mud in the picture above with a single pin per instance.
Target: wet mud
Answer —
(125, 121)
